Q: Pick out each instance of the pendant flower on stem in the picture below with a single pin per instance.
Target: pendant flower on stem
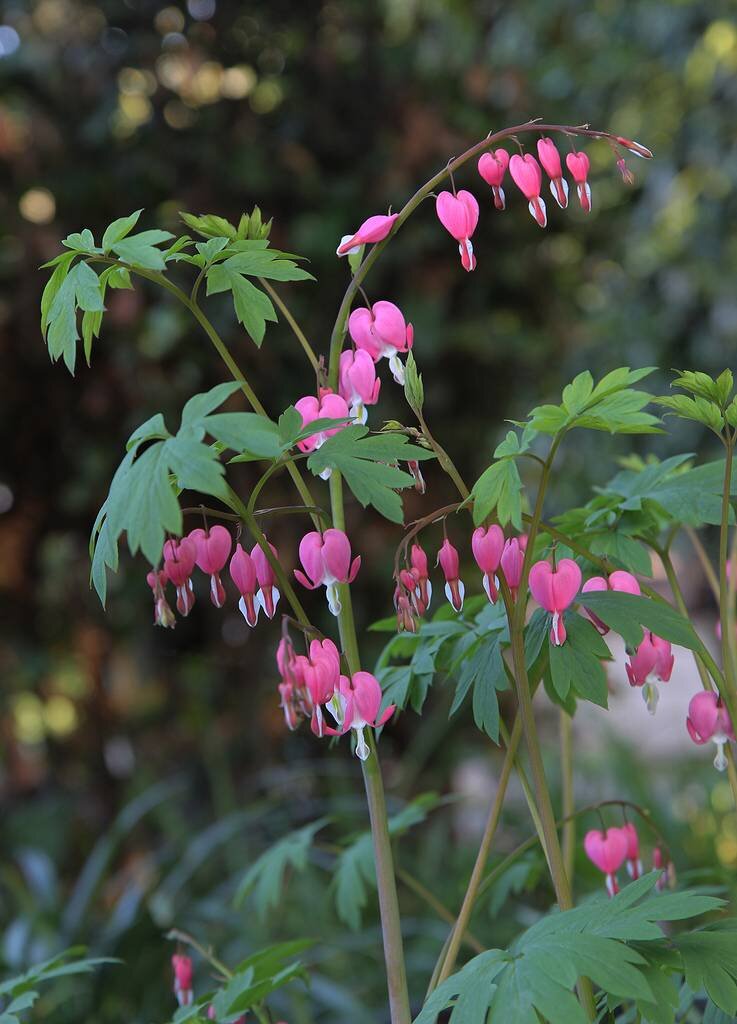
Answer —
(554, 590)
(708, 719)
(492, 168)
(449, 562)
(327, 406)
(356, 706)
(634, 864)
(487, 546)
(607, 850)
(268, 594)
(383, 333)
(213, 548)
(459, 215)
(375, 229)
(652, 663)
(528, 178)
(359, 385)
(163, 615)
(511, 562)
(326, 559)
(243, 574)
(182, 967)
(179, 562)
(550, 160)
(578, 165)
(620, 580)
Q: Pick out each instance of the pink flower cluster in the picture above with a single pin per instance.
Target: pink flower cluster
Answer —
(610, 848)
(183, 988)
(313, 683)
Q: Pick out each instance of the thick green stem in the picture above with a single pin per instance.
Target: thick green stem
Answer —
(568, 802)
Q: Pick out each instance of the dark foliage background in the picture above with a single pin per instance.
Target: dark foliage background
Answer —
(321, 113)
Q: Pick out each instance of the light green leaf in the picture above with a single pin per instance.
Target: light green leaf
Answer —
(264, 880)
(499, 488)
(119, 229)
(141, 250)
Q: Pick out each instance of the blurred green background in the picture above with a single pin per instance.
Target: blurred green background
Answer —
(143, 771)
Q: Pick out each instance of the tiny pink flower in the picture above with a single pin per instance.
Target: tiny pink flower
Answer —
(511, 562)
(550, 159)
(607, 850)
(213, 548)
(554, 590)
(163, 615)
(327, 406)
(243, 574)
(492, 168)
(578, 165)
(291, 688)
(356, 706)
(651, 663)
(182, 967)
(359, 385)
(528, 178)
(383, 333)
(374, 229)
(487, 546)
(449, 563)
(459, 215)
(326, 559)
(708, 719)
(404, 606)
(268, 595)
(620, 580)
(179, 562)
(413, 467)
(634, 864)
(634, 147)
(627, 176)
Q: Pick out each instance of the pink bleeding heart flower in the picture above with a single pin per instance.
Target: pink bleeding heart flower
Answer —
(607, 850)
(459, 215)
(327, 406)
(550, 159)
(182, 967)
(243, 574)
(213, 548)
(359, 385)
(492, 168)
(578, 165)
(291, 686)
(652, 663)
(528, 178)
(321, 675)
(179, 562)
(418, 561)
(708, 719)
(267, 596)
(487, 546)
(404, 603)
(620, 580)
(449, 563)
(383, 333)
(511, 562)
(356, 706)
(634, 864)
(375, 229)
(554, 590)
(163, 615)
(634, 147)
(326, 559)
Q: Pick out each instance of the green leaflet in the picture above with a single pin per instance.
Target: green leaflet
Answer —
(626, 614)
(362, 460)
(264, 880)
(611, 405)
(575, 666)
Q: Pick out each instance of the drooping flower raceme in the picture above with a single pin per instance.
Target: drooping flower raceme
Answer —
(554, 590)
(550, 159)
(359, 385)
(459, 215)
(213, 549)
(449, 562)
(492, 168)
(708, 719)
(578, 165)
(528, 178)
(356, 706)
(375, 229)
(182, 967)
(383, 333)
(326, 559)
(179, 562)
(652, 663)
(607, 850)
(511, 562)
(487, 546)
(620, 580)
(634, 864)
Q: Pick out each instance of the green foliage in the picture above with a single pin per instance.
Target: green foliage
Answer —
(210, 225)
(414, 390)
(575, 666)
(614, 942)
(710, 404)
(499, 489)
(481, 669)
(611, 405)
(264, 880)
(20, 993)
(710, 962)
(367, 462)
(355, 871)
(626, 614)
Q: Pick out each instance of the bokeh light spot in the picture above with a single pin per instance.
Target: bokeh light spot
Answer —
(37, 205)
